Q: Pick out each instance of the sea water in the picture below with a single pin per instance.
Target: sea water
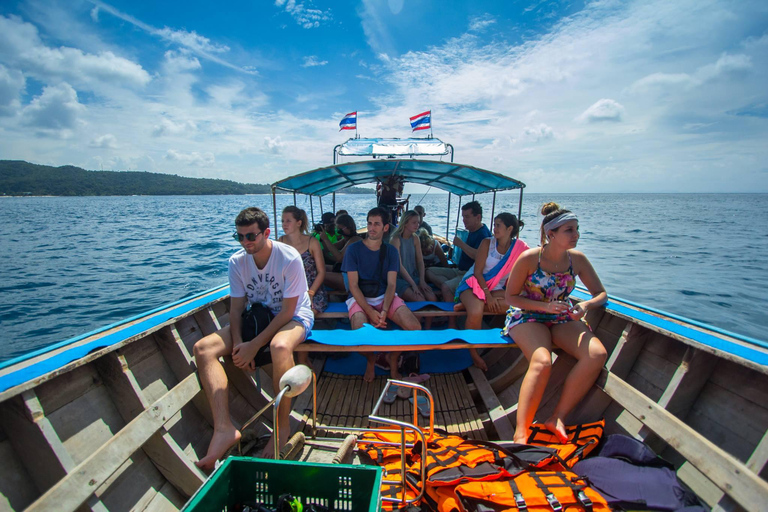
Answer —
(71, 265)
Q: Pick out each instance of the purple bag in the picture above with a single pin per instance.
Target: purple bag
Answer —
(630, 475)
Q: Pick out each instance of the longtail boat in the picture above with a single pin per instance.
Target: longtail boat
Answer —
(115, 419)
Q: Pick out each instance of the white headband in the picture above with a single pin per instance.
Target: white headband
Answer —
(559, 221)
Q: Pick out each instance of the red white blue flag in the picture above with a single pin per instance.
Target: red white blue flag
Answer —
(348, 122)
(422, 121)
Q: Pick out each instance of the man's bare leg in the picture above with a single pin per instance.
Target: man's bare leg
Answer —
(281, 347)
(214, 380)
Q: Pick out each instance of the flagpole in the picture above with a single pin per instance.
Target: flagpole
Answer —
(430, 122)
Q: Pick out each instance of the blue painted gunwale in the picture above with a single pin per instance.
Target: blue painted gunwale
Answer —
(752, 351)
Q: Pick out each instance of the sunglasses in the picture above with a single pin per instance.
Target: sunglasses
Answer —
(251, 237)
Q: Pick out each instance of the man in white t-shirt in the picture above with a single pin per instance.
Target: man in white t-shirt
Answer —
(272, 274)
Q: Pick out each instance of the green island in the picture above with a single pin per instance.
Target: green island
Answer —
(20, 178)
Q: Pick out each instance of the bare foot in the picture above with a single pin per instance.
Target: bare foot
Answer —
(520, 436)
(220, 443)
(459, 306)
(479, 361)
(395, 374)
(556, 426)
(269, 450)
(370, 372)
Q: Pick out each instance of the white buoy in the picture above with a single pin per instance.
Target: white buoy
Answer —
(297, 379)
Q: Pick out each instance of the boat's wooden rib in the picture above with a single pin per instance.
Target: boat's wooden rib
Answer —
(724, 470)
(496, 411)
(75, 488)
(161, 448)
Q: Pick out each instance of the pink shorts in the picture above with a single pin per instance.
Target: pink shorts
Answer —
(397, 302)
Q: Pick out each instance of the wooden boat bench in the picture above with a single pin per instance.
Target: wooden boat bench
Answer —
(371, 339)
(422, 309)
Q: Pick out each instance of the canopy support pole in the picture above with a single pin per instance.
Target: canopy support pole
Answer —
(274, 208)
(520, 206)
(493, 209)
(320, 198)
(458, 214)
(312, 209)
(448, 220)
(333, 196)
(294, 198)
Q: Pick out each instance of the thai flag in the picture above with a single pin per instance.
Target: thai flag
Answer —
(348, 122)
(422, 121)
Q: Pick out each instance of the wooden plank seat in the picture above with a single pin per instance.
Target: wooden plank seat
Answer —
(371, 339)
(421, 309)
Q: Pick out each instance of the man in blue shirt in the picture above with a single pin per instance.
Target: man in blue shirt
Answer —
(448, 279)
(371, 267)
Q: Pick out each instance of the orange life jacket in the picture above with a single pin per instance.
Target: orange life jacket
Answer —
(582, 439)
(531, 491)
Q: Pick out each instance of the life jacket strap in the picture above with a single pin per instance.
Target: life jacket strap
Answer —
(518, 496)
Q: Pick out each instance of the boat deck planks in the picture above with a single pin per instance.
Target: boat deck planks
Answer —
(345, 400)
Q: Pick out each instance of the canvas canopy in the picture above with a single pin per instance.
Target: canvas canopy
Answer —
(449, 176)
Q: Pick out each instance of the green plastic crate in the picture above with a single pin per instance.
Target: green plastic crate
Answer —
(248, 480)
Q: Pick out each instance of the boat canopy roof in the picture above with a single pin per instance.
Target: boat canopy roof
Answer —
(393, 147)
(449, 176)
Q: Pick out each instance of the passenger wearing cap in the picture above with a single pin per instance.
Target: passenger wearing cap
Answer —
(326, 233)
(541, 316)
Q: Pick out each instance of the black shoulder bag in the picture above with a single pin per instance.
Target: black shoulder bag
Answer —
(255, 319)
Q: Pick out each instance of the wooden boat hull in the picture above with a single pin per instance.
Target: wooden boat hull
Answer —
(115, 420)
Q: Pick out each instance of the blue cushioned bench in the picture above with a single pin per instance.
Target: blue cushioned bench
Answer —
(371, 339)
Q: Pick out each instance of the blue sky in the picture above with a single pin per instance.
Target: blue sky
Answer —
(606, 96)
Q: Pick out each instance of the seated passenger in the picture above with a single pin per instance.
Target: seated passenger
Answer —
(431, 250)
(260, 259)
(371, 268)
(411, 285)
(328, 228)
(297, 236)
(483, 285)
(345, 226)
(448, 279)
(540, 316)
(420, 210)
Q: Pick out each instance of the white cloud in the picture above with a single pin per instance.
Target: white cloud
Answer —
(539, 133)
(725, 65)
(480, 23)
(662, 81)
(191, 40)
(200, 45)
(603, 110)
(55, 112)
(375, 29)
(169, 127)
(306, 17)
(106, 141)
(195, 158)
(312, 61)
(11, 85)
(274, 145)
(21, 46)
(95, 14)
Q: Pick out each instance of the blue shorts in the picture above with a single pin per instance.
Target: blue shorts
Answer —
(306, 325)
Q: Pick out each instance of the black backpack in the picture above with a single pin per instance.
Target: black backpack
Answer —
(255, 319)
